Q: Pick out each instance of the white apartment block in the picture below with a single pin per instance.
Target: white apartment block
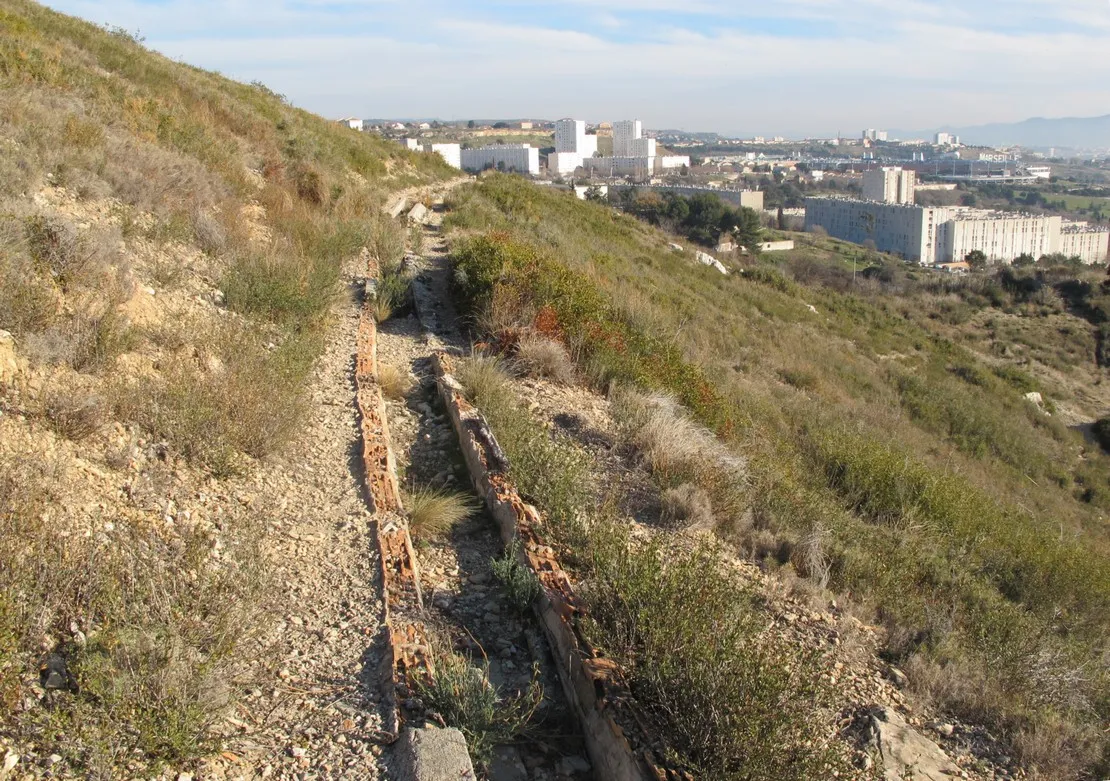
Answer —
(889, 185)
(624, 133)
(946, 139)
(643, 147)
(669, 162)
(570, 136)
(941, 235)
(1000, 235)
(522, 158)
(563, 162)
(874, 135)
(640, 168)
(1090, 243)
(451, 153)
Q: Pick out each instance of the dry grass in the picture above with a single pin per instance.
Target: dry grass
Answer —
(540, 356)
(687, 506)
(435, 511)
(680, 451)
(395, 383)
(483, 376)
(809, 556)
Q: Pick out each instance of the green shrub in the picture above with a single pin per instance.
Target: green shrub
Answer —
(462, 694)
(520, 584)
(281, 287)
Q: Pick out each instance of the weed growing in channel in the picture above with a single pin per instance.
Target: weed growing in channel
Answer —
(463, 695)
(520, 583)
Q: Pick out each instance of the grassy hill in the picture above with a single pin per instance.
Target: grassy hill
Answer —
(888, 435)
(171, 245)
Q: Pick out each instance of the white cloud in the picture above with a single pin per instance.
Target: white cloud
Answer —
(794, 66)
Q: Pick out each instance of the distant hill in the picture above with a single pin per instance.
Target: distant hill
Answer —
(1065, 132)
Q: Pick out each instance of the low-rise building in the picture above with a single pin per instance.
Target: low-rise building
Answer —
(563, 162)
(522, 158)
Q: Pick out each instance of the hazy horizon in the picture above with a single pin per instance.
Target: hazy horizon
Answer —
(798, 68)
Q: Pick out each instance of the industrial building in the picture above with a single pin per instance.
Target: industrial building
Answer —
(522, 158)
(941, 235)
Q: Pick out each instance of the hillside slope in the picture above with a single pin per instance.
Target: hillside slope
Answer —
(172, 255)
(892, 453)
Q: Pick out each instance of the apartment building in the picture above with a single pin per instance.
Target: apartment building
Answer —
(942, 235)
(522, 158)
(625, 132)
(889, 185)
(1090, 243)
(639, 168)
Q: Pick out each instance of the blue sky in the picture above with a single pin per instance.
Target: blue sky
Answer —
(789, 67)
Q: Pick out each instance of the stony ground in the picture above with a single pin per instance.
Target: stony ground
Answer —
(319, 719)
(468, 609)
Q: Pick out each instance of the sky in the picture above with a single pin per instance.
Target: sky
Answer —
(737, 67)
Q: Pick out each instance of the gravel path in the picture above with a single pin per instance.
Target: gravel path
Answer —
(321, 719)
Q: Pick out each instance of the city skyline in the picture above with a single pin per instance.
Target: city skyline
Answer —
(798, 68)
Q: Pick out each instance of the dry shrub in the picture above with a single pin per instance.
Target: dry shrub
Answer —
(154, 179)
(89, 340)
(507, 311)
(64, 254)
(310, 185)
(209, 233)
(540, 356)
(28, 302)
(254, 405)
(395, 383)
(1057, 748)
(281, 285)
(73, 417)
(809, 557)
(687, 506)
(434, 511)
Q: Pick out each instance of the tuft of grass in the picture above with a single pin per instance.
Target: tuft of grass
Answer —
(541, 356)
(386, 242)
(393, 294)
(679, 450)
(435, 511)
(688, 506)
(483, 377)
(519, 582)
(395, 383)
(210, 235)
(463, 695)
